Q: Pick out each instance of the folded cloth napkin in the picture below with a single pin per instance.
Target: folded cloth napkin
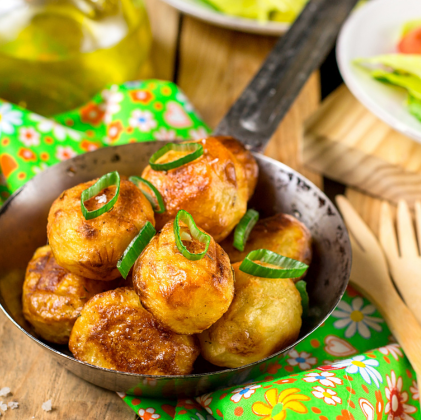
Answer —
(348, 369)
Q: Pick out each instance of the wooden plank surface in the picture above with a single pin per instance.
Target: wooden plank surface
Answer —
(347, 143)
(214, 66)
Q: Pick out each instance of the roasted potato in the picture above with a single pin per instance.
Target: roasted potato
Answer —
(245, 158)
(264, 317)
(92, 248)
(114, 331)
(212, 188)
(53, 297)
(186, 296)
(282, 233)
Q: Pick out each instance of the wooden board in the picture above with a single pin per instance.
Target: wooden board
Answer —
(214, 66)
(347, 143)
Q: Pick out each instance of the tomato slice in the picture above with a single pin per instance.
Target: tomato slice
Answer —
(411, 42)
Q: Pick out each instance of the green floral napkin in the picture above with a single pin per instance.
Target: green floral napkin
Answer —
(132, 112)
(349, 369)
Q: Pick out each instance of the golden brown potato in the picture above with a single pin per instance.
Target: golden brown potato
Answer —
(186, 296)
(264, 317)
(53, 297)
(92, 248)
(245, 158)
(212, 188)
(281, 233)
(115, 332)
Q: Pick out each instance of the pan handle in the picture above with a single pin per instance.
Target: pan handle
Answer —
(256, 114)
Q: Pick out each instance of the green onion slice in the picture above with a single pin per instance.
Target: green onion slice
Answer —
(108, 180)
(289, 268)
(195, 149)
(195, 232)
(160, 208)
(302, 288)
(137, 245)
(243, 229)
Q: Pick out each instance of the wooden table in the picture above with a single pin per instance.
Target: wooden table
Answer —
(212, 66)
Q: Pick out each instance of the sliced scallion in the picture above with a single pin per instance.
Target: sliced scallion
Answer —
(137, 245)
(195, 232)
(243, 229)
(138, 181)
(195, 149)
(302, 288)
(108, 180)
(289, 268)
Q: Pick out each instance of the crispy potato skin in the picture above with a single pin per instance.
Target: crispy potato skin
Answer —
(114, 331)
(92, 248)
(282, 233)
(212, 188)
(264, 317)
(53, 297)
(186, 296)
(245, 158)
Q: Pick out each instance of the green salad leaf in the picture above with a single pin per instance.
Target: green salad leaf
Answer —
(414, 106)
(262, 10)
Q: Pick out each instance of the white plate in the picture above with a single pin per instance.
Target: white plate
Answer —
(371, 30)
(206, 13)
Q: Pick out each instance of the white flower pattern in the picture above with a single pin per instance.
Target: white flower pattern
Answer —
(304, 360)
(60, 132)
(365, 367)
(112, 98)
(395, 406)
(64, 153)
(329, 396)
(245, 392)
(29, 136)
(204, 401)
(392, 349)
(323, 378)
(164, 134)
(355, 318)
(143, 120)
(9, 118)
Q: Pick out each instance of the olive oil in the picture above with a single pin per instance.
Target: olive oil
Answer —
(56, 54)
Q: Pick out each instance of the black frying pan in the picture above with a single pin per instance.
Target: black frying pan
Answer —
(252, 119)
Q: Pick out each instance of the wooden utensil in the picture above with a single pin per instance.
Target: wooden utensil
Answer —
(347, 143)
(403, 253)
(370, 275)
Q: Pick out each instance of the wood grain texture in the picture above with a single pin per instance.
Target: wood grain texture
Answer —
(216, 64)
(347, 143)
(370, 274)
(165, 21)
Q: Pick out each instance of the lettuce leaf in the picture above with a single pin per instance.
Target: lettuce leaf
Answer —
(411, 83)
(401, 63)
(262, 10)
(414, 106)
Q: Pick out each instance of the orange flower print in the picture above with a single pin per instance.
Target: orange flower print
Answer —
(345, 415)
(278, 404)
(88, 146)
(379, 405)
(92, 114)
(113, 131)
(27, 154)
(64, 153)
(148, 414)
(396, 407)
(142, 96)
(285, 381)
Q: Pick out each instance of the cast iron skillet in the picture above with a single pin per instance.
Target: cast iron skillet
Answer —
(253, 118)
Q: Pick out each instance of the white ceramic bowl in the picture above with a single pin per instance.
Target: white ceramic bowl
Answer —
(207, 14)
(371, 30)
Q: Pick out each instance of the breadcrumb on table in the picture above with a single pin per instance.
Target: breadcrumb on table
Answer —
(5, 392)
(13, 405)
(46, 406)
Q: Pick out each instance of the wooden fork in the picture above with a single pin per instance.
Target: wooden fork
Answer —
(403, 253)
(370, 275)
